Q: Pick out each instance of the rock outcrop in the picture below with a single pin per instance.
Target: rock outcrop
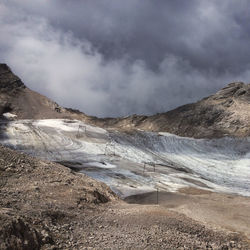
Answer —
(9, 81)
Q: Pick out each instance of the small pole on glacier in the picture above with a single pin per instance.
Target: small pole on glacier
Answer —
(157, 195)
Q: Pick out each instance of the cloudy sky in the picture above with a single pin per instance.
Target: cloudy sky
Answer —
(116, 57)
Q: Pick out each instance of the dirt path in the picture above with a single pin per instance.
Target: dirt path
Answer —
(154, 227)
(221, 211)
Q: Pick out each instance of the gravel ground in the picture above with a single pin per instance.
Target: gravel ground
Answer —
(44, 205)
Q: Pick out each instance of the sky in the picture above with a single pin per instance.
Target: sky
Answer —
(117, 58)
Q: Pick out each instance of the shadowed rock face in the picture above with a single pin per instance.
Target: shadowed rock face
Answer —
(221, 114)
(9, 81)
(15, 233)
(10, 85)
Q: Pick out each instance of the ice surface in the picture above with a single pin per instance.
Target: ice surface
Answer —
(136, 162)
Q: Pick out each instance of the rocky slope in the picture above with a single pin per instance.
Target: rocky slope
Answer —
(44, 205)
(224, 113)
(35, 195)
(16, 98)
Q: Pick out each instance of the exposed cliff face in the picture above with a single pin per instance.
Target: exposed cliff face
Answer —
(9, 81)
(10, 85)
(224, 113)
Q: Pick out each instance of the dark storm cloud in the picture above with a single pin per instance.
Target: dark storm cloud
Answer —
(113, 57)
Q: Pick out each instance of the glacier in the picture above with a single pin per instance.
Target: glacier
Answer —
(133, 162)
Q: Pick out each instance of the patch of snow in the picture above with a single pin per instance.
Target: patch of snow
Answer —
(9, 115)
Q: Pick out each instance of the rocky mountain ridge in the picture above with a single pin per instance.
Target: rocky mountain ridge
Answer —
(226, 113)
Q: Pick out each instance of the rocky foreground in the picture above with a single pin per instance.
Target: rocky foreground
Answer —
(44, 205)
(40, 201)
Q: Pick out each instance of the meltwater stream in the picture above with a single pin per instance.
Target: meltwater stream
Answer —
(138, 161)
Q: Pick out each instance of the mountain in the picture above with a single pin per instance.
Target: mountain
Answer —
(60, 207)
(19, 100)
(224, 113)
(221, 114)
